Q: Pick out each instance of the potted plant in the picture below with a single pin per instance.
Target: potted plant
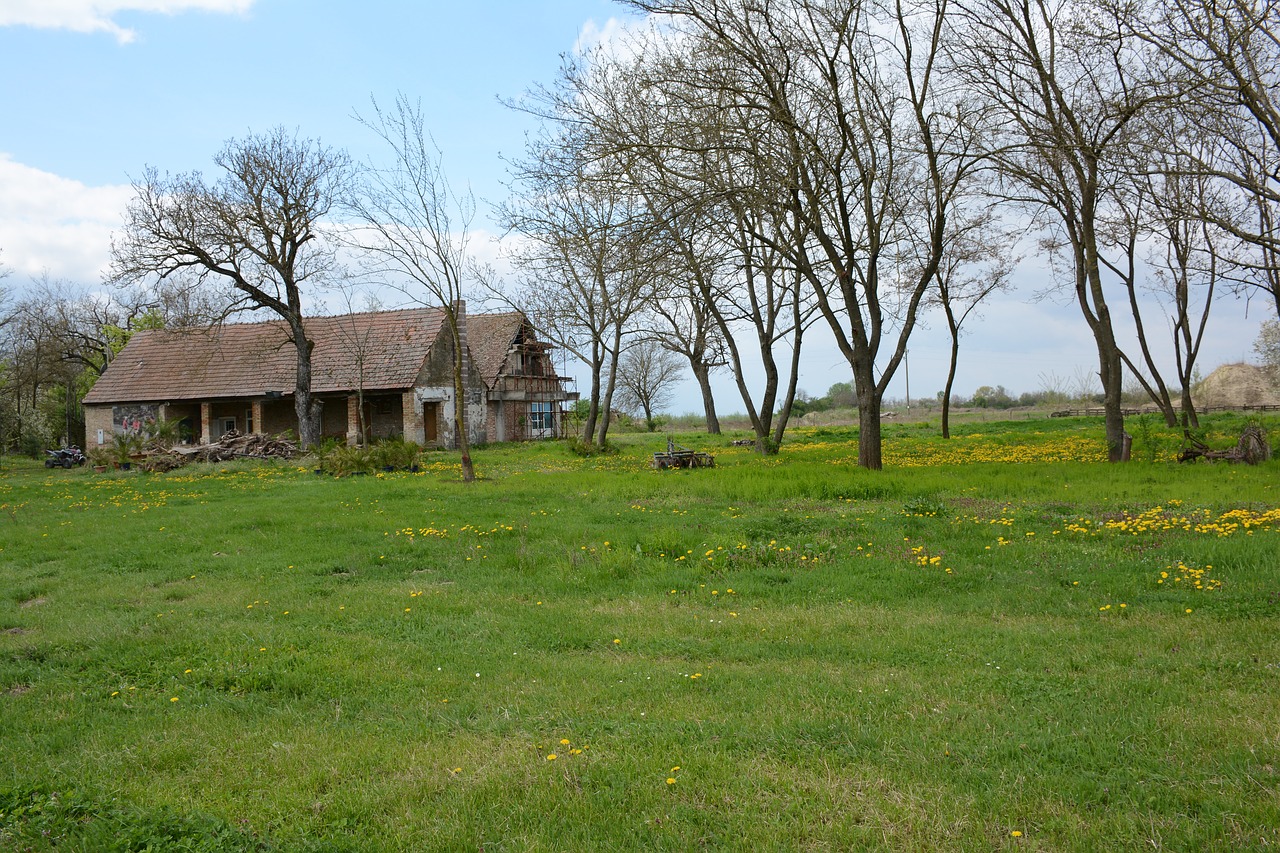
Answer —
(99, 458)
(123, 448)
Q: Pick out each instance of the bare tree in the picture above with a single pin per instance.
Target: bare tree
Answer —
(862, 153)
(256, 231)
(417, 230)
(85, 329)
(1068, 88)
(4, 294)
(688, 151)
(977, 263)
(356, 340)
(647, 374)
(586, 267)
(1055, 387)
(1225, 56)
(1160, 211)
(685, 323)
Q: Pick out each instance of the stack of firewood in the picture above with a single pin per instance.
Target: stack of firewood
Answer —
(232, 445)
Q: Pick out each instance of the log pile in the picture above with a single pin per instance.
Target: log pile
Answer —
(1251, 449)
(232, 445)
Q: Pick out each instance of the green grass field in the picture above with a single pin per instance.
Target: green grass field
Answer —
(998, 642)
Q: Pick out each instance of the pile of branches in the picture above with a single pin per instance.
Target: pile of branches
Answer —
(1251, 449)
(232, 445)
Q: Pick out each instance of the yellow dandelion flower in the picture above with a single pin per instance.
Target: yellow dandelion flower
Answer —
(551, 756)
(174, 699)
(1016, 833)
(564, 741)
(671, 780)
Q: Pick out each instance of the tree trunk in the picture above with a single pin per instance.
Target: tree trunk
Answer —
(954, 328)
(951, 378)
(1189, 416)
(1111, 372)
(606, 409)
(869, 452)
(459, 397)
(793, 381)
(703, 374)
(593, 403)
(305, 407)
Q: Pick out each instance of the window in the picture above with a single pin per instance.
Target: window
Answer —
(541, 419)
(248, 420)
(226, 425)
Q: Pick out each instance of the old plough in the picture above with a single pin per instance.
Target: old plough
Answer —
(682, 457)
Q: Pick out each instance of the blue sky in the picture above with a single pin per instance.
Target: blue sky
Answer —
(96, 106)
(91, 91)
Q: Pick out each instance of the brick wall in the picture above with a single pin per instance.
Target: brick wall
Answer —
(97, 418)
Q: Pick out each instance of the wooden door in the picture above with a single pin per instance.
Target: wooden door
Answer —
(430, 414)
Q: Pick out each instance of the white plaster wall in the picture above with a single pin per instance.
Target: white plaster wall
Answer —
(476, 432)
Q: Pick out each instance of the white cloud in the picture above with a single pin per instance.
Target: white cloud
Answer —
(92, 16)
(616, 37)
(50, 223)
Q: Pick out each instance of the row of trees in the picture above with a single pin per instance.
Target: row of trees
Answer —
(55, 340)
(744, 168)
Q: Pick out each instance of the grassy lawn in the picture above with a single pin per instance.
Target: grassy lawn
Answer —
(998, 642)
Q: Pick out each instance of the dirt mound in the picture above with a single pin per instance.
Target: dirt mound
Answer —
(1238, 385)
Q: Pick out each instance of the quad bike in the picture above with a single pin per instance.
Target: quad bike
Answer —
(64, 457)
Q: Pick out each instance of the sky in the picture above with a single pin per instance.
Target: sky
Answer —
(94, 91)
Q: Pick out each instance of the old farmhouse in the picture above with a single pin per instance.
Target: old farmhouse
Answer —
(400, 363)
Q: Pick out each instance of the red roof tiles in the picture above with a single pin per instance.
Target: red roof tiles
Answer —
(489, 337)
(250, 359)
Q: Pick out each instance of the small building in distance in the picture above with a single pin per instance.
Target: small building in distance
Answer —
(399, 363)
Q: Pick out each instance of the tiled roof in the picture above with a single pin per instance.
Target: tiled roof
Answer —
(249, 359)
(489, 337)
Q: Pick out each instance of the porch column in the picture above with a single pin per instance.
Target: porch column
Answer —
(206, 423)
(256, 408)
(353, 420)
(414, 427)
